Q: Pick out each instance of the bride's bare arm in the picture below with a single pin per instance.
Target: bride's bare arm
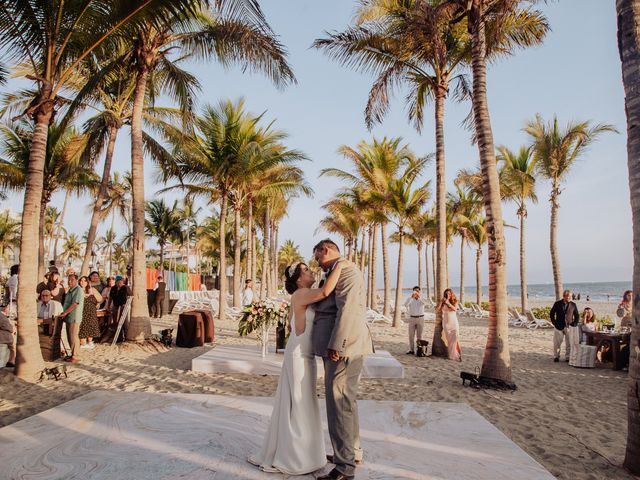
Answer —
(307, 296)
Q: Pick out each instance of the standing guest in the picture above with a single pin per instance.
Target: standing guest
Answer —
(160, 288)
(625, 309)
(118, 298)
(450, 325)
(56, 287)
(564, 314)
(95, 282)
(43, 285)
(11, 293)
(48, 309)
(89, 327)
(415, 310)
(8, 337)
(247, 293)
(72, 315)
(111, 281)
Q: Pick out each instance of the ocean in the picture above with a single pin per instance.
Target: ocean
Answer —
(600, 291)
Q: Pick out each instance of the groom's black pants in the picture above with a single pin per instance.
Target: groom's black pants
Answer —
(341, 388)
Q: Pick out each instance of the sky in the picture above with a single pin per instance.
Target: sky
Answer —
(574, 74)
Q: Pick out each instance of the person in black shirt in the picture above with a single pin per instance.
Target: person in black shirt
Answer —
(564, 314)
(117, 298)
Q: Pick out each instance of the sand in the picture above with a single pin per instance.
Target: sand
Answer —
(572, 421)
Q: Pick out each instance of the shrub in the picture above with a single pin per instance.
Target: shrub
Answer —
(543, 313)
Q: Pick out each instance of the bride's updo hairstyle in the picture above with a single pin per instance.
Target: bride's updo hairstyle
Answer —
(292, 274)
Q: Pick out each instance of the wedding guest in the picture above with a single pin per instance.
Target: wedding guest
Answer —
(48, 309)
(89, 327)
(111, 281)
(588, 322)
(95, 282)
(159, 288)
(118, 298)
(625, 309)
(43, 284)
(564, 313)
(8, 337)
(415, 309)
(56, 287)
(247, 293)
(449, 305)
(72, 315)
(11, 292)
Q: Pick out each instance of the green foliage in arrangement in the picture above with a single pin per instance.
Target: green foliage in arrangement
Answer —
(543, 313)
(263, 313)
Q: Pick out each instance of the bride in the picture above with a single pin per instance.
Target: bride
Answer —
(294, 443)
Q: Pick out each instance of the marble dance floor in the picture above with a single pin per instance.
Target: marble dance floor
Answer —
(122, 436)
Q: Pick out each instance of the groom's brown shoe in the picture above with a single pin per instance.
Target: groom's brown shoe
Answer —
(335, 475)
(330, 460)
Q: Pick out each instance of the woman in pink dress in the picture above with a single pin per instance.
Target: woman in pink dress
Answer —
(449, 305)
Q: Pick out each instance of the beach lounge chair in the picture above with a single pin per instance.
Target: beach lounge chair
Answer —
(517, 319)
(373, 316)
(466, 311)
(479, 312)
(537, 322)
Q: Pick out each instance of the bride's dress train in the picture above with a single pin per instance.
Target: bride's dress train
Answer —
(294, 443)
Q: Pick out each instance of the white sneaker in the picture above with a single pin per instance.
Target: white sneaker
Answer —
(91, 345)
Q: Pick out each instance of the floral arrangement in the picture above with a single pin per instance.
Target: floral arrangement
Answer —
(263, 315)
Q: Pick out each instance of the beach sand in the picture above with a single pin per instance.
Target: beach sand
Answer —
(572, 421)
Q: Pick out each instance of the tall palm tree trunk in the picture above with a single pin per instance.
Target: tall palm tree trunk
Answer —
(461, 271)
(426, 270)
(369, 285)
(419, 247)
(373, 260)
(29, 357)
(478, 278)
(438, 347)
(161, 245)
(236, 256)
(523, 263)
(254, 255)
(363, 250)
(250, 245)
(60, 225)
(496, 362)
(222, 264)
(140, 325)
(43, 208)
(629, 45)
(102, 194)
(553, 241)
(433, 262)
(273, 271)
(265, 254)
(397, 314)
(385, 268)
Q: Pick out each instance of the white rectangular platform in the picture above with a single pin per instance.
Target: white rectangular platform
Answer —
(108, 435)
(247, 359)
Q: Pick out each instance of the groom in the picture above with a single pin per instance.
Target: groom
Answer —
(341, 337)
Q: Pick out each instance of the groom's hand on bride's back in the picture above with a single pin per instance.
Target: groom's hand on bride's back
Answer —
(333, 355)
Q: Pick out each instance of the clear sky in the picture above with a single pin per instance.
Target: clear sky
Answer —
(575, 74)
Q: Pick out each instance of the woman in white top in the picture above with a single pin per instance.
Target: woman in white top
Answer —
(294, 443)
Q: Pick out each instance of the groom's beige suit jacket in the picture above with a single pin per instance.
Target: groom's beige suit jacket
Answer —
(340, 322)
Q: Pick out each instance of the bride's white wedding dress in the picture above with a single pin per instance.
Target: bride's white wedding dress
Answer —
(294, 443)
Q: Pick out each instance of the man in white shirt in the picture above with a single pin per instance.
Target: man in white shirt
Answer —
(247, 294)
(415, 311)
(48, 309)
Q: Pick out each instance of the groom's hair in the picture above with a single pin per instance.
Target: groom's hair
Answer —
(326, 243)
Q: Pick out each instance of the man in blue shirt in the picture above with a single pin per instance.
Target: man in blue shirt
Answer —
(72, 315)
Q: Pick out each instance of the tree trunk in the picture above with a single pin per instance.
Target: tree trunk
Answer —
(426, 270)
(161, 245)
(369, 285)
(385, 268)
(553, 240)
(373, 260)
(29, 358)
(41, 269)
(629, 46)
(59, 228)
(363, 250)
(222, 264)
(140, 324)
(254, 256)
(420, 264)
(461, 299)
(265, 254)
(273, 259)
(397, 314)
(236, 256)
(496, 362)
(102, 194)
(250, 246)
(433, 271)
(478, 278)
(438, 347)
(523, 266)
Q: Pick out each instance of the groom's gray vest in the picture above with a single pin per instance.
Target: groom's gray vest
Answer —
(340, 322)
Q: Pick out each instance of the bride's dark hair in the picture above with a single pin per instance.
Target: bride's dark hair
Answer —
(292, 274)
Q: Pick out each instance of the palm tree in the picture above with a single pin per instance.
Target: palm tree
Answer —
(108, 242)
(520, 173)
(54, 38)
(375, 164)
(288, 255)
(465, 206)
(491, 26)
(555, 151)
(628, 21)
(162, 223)
(233, 35)
(9, 235)
(478, 236)
(71, 248)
